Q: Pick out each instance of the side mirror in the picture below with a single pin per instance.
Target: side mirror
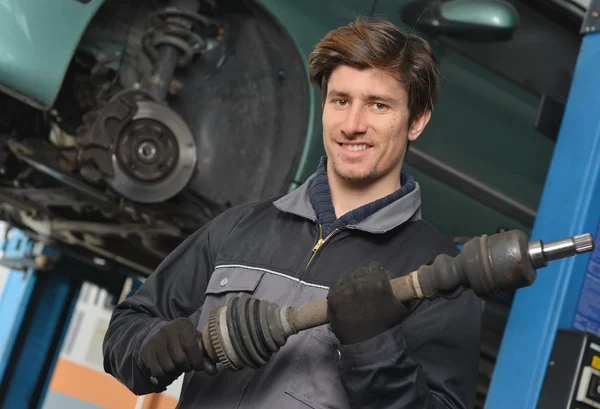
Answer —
(463, 20)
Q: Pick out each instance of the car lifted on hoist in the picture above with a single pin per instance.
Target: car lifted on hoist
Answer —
(127, 125)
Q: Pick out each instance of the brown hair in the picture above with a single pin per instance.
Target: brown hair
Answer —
(378, 43)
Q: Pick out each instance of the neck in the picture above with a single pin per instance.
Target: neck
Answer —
(349, 195)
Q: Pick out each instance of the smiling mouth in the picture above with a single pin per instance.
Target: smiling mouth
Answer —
(354, 147)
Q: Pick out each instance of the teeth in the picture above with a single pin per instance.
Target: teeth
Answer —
(355, 147)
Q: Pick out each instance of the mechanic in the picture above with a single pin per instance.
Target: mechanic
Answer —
(353, 225)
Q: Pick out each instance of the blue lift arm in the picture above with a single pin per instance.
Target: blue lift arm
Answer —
(566, 294)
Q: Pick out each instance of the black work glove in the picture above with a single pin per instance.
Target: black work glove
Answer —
(174, 349)
(361, 305)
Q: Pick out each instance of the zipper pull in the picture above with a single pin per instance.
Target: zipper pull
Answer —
(320, 241)
(318, 245)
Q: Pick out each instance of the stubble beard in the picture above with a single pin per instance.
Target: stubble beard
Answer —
(358, 177)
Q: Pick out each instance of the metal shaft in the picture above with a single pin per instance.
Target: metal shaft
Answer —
(314, 313)
(540, 253)
(164, 69)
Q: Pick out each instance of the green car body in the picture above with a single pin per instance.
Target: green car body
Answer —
(38, 43)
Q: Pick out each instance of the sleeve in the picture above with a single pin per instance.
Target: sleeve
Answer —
(176, 288)
(429, 361)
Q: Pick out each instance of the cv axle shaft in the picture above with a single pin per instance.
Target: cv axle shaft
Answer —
(247, 331)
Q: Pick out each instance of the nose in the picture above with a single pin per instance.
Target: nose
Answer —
(355, 121)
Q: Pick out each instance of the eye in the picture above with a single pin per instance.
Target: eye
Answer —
(379, 107)
(339, 102)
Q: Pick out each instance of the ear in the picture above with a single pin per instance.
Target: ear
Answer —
(418, 125)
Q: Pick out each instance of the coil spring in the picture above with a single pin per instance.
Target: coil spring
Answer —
(173, 26)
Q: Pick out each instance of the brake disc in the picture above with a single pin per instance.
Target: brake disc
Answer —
(154, 156)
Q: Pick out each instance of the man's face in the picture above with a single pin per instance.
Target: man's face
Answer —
(365, 124)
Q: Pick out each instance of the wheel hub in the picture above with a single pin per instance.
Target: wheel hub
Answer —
(148, 150)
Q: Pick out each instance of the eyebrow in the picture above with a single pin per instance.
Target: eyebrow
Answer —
(368, 97)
